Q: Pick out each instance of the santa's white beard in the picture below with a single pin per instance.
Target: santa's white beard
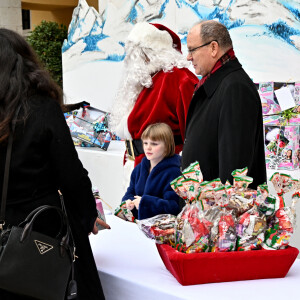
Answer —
(140, 65)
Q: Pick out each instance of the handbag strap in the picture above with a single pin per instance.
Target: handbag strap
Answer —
(65, 211)
(72, 286)
(6, 169)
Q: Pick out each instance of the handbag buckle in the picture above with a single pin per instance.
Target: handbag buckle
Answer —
(2, 223)
(129, 149)
(74, 255)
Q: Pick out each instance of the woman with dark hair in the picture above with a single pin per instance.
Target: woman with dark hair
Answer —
(43, 158)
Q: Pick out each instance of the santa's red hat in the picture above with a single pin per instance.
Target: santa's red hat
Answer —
(154, 36)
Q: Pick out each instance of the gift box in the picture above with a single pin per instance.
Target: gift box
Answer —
(89, 127)
(268, 99)
(199, 268)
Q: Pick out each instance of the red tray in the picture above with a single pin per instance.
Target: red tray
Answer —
(198, 268)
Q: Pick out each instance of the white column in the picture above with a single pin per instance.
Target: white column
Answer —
(11, 15)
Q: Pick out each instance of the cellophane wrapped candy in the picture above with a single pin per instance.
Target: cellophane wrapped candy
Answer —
(223, 232)
(221, 217)
(281, 226)
(192, 230)
(124, 213)
(160, 228)
(250, 229)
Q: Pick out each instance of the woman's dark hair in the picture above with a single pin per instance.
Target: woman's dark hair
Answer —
(21, 76)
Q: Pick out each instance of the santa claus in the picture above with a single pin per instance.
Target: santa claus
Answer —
(156, 87)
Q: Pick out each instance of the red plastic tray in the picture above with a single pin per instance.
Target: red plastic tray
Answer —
(198, 268)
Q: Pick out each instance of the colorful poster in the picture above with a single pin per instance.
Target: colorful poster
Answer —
(269, 105)
(282, 146)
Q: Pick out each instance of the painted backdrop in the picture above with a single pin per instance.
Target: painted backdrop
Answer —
(265, 34)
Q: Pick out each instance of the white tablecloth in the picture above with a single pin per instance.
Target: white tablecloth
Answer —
(106, 171)
(130, 267)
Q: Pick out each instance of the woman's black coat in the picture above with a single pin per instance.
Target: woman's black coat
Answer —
(44, 160)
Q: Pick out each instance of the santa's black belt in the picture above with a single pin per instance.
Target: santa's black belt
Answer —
(135, 147)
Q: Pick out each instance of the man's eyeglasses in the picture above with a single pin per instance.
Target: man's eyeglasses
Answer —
(190, 51)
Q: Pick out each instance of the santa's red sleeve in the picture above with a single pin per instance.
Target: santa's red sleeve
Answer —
(186, 90)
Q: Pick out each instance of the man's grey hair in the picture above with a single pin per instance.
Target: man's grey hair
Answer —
(215, 31)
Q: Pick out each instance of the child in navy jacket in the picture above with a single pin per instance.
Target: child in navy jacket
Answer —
(149, 192)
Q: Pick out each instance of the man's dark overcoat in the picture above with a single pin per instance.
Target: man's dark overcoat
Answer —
(224, 129)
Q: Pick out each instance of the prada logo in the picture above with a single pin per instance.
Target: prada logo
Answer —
(42, 247)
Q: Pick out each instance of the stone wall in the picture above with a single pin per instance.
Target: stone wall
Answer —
(11, 15)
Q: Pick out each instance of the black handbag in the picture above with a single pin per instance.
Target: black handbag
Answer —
(32, 263)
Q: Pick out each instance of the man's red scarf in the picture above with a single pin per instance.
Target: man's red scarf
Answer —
(229, 55)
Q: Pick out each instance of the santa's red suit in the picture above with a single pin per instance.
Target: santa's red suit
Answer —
(166, 101)
(163, 95)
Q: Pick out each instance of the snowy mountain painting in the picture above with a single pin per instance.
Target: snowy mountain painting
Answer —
(265, 34)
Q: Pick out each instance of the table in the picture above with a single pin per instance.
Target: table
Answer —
(106, 173)
(130, 267)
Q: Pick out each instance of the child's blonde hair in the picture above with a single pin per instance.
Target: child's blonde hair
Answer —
(161, 132)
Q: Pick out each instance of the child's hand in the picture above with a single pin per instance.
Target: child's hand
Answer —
(129, 204)
(136, 201)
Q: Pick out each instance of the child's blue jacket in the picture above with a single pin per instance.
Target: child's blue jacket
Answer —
(157, 195)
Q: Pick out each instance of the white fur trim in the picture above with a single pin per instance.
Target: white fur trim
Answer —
(127, 170)
(122, 128)
(148, 36)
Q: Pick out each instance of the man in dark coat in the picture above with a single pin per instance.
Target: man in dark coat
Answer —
(224, 129)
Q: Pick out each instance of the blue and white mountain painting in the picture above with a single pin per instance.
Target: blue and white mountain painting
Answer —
(256, 26)
(87, 40)
(265, 34)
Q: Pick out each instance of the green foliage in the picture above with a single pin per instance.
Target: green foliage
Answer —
(288, 114)
(47, 39)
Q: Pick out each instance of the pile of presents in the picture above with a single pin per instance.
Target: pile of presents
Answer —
(89, 127)
(281, 112)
